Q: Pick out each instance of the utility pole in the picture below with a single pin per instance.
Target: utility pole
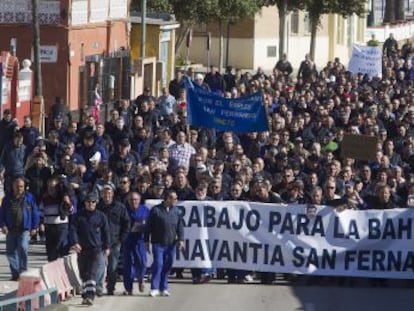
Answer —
(38, 102)
(282, 29)
(143, 26)
(36, 49)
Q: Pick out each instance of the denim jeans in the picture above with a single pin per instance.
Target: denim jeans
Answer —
(100, 272)
(17, 246)
(161, 266)
(111, 269)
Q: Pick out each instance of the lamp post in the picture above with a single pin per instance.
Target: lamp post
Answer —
(143, 26)
(38, 100)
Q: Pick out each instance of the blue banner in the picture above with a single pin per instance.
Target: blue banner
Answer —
(243, 115)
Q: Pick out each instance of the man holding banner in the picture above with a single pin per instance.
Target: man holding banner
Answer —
(366, 60)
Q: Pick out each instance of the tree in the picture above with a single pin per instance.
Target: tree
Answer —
(389, 12)
(189, 13)
(317, 8)
(400, 10)
(394, 11)
(284, 7)
(231, 11)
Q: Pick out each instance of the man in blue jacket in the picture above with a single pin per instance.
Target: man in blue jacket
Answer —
(165, 232)
(135, 255)
(12, 160)
(19, 218)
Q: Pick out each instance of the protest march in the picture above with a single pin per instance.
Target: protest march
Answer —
(253, 175)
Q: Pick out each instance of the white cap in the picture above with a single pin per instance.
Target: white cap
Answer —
(199, 76)
(96, 157)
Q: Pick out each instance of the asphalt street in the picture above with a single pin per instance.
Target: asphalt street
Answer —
(217, 295)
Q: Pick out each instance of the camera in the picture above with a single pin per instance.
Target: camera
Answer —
(64, 210)
(63, 190)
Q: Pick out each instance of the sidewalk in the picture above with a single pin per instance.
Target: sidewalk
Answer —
(37, 257)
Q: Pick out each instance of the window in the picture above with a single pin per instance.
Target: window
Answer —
(271, 51)
(294, 22)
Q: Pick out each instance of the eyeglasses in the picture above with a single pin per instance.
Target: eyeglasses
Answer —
(89, 201)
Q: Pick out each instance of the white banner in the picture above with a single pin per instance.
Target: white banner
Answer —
(366, 60)
(281, 238)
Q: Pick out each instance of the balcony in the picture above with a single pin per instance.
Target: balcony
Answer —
(20, 12)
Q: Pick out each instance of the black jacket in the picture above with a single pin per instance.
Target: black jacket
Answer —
(118, 220)
(90, 230)
(164, 227)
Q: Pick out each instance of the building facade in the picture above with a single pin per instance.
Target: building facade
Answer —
(83, 46)
(254, 42)
(159, 44)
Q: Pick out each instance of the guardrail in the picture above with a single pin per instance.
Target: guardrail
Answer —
(25, 302)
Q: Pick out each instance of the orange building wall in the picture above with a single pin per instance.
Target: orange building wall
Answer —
(97, 39)
(62, 78)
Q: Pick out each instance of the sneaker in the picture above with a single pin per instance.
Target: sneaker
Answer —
(165, 293)
(127, 293)
(110, 293)
(154, 293)
(141, 287)
(99, 293)
(248, 278)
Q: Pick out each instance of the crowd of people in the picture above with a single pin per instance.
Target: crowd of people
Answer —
(90, 179)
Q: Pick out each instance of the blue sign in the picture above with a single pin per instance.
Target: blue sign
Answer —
(244, 115)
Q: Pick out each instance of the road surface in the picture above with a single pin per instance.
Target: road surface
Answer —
(218, 295)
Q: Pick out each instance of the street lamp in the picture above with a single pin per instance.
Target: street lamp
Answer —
(38, 100)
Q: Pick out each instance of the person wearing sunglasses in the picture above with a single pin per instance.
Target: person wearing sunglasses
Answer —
(89, 236)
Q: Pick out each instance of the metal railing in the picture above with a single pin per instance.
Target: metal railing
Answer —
(25, 302)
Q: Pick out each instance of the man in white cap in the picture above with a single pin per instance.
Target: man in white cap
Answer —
(199, 80)
(91, 174)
